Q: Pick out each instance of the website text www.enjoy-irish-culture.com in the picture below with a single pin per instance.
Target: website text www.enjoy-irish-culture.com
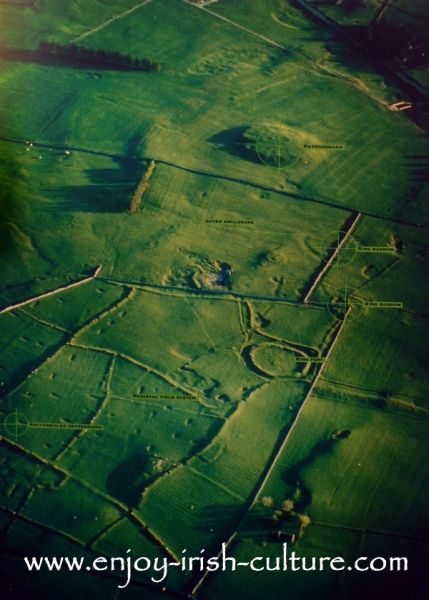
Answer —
(158, 568)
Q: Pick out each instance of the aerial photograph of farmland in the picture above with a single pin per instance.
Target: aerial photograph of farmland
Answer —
(214, 308)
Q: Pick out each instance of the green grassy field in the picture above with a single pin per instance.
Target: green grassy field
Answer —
(204, 384)
(348, 490)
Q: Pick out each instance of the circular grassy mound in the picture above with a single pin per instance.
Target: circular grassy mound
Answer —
(273, 359)
(275, 145)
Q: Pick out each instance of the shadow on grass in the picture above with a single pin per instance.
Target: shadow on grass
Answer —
(11, 379)
(232, 142)
(108, 190)
(292, 476)
(348, 57)
(293, 479)
(127, 480)
(353, 53)
(261, 522)
(419, 167)
(58, 60)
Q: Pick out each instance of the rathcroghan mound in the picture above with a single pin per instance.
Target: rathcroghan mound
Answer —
(277, 144)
